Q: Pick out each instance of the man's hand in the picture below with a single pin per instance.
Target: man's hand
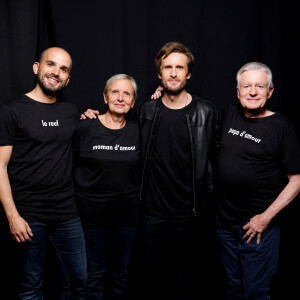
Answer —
(158, 92)
(20, 230)
(90, 113)
(259, 223)
(256, 226)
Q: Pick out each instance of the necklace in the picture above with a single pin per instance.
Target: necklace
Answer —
(186, 100)
(122, 124)
(170, 105)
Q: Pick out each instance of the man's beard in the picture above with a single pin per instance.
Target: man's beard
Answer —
(175, 91)
(47, 88)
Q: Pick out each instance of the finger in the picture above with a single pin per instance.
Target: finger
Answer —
(29, 231)
(247, 234)
(258, 238)
(90, 115)
(27, 238)
(247, 226)
(20, 238)
(82, 117)
(251, 236)
(24, 236)
(93, 112)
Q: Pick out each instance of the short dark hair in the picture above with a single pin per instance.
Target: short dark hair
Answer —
(172, 47)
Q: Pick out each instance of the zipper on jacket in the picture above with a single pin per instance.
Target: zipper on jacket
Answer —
(152, 135)
(193, 162)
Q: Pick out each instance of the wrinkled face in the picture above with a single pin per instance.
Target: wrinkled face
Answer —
(253, 90)
(53, 71)
(120, 96)
(174, 73)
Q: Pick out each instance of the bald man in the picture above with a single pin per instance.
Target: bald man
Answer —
(35, 178)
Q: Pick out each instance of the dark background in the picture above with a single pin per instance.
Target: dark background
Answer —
(109, 37)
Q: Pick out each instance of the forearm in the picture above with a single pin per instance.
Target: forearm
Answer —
(287, 195)
(6, 197)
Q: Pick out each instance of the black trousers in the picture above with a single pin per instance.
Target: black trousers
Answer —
(166, 257)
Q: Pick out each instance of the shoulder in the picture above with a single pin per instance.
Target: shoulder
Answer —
(133, 124)
(281, 121)
(229, 110)
(147, 108)
(204, 109)
(86, 124)
(85, 127)
(148, 103)
(203, 104)
(13, 106)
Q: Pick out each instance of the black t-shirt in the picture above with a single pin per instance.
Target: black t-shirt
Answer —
(256, 154)
(40, 166)
(106, 174)
(169, 189)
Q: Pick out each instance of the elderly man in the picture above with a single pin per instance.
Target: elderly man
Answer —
(259, 175)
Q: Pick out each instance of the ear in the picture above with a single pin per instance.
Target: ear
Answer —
(159, 75)
(35, 67)
(189, 76)
(238, 93)
(132, 104)
(270, 92)
(68, 80)
(104, 96)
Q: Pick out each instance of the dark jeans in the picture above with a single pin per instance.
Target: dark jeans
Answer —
(68, 241)
(108, 254)
(249, 268)
(166, 252)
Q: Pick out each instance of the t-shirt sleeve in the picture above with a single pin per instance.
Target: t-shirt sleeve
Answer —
(8, 126)
(290, 150)
(76, 139)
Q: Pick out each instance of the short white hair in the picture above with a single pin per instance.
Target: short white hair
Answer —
(112, 79)
(255, 66)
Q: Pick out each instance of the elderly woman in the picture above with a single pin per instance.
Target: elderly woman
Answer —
(107, 188)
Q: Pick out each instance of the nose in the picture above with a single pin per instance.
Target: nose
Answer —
(173, 72)
(253, 90)
(55, 71)
(121, 97)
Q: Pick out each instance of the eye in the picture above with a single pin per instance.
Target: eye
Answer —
(114, 92)
(180, 67)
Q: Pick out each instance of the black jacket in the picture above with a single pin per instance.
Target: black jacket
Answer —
(204, 135)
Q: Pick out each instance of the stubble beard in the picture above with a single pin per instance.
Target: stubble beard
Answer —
(47, 88)
(174, 91)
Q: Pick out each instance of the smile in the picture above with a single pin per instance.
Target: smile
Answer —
(53, 80)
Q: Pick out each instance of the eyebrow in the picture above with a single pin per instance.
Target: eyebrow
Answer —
(62, 67)
(176, 65)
